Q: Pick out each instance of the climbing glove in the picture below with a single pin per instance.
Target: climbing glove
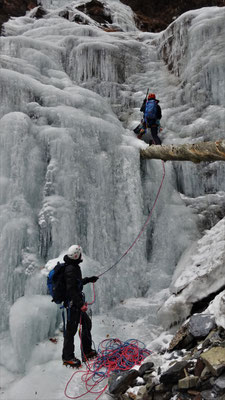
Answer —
(93, 279)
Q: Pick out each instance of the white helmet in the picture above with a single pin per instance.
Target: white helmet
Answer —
(74, 252)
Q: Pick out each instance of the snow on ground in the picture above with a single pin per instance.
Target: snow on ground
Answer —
(46, 377)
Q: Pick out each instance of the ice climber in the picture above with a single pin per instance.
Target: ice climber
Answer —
(152, 115)
(76, 309)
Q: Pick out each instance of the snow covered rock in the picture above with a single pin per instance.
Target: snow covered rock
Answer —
(217, 307)
(200, 272)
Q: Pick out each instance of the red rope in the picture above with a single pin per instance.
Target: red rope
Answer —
(113, 356)
(128, 355)
(143, 227)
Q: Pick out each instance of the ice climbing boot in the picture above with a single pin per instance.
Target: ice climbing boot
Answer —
(89, 356)
(74, 363)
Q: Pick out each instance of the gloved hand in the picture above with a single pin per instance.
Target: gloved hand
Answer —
(93, 279)
(84, 307)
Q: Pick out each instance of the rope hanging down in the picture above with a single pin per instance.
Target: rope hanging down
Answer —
(113, 355)
(143, 227)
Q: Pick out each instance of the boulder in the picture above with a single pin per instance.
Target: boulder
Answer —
(219, 385)
(174, 373)
(148, 366)
(120, 382)
(188, 382)
(182, 339)
(201, 325)
(214, 359)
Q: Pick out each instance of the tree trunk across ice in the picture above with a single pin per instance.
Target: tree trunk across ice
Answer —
(196, 152)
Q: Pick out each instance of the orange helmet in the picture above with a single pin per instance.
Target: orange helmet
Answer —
(151, 96)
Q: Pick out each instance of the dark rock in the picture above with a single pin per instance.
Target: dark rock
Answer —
(64, 14)
(213, 338)
(182, 396)
(199, 367)
(39, 13)
(205, 385)
(201, 325)
(174, 373)
(119, 383)
(15, 8)
(145, 367)
(159, 396)
(96, 10)
(209, 395)
(198, 397)
(155, 16)
(182, 339)
(219, 385)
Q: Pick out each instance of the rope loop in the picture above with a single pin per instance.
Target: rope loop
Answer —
(114, 356)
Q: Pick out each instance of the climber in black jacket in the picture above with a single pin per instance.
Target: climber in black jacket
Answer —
(76, 309)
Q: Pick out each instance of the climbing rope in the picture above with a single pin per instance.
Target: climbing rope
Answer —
(143, 227)
(113, 356)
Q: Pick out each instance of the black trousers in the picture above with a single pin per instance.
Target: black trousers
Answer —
(154, 133)
(74, 315)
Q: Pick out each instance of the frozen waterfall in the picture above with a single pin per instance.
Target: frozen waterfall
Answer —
(70, 165)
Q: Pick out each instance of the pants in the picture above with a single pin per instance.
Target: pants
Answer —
(73, 320)
(154, 133)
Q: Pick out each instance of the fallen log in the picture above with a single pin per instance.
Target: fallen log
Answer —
(196, 152)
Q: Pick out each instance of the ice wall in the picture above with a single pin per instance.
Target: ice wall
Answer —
(193, 50)
(71, 172)
(68, 173)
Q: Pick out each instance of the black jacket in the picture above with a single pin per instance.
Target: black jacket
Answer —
(74, 281)
(159, 112)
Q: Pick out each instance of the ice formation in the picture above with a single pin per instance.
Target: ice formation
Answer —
(70, 165)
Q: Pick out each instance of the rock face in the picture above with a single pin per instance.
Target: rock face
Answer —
(155, 16)
(96, 11)
(15, 8)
